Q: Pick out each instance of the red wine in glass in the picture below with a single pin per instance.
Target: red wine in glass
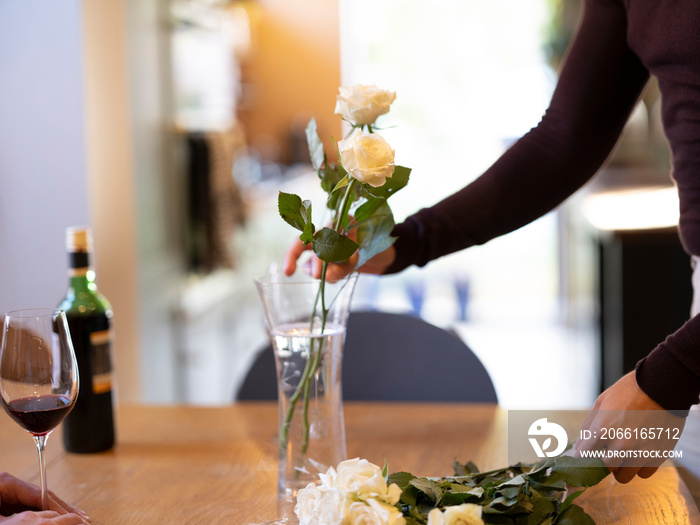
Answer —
(38, 375)
(39, 415)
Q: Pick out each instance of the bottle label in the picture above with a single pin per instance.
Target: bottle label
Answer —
(101, 363)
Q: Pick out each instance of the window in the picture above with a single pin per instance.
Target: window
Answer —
(470, 76)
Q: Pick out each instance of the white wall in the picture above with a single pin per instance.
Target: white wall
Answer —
(42, 147)
(65, 159)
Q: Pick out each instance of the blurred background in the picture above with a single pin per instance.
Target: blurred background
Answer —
(169, 126)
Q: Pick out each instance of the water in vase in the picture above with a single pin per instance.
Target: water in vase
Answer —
(312, 433)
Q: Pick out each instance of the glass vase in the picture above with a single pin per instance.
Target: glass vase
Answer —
(306, 321)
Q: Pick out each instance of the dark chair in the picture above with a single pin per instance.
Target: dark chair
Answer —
(392, 357)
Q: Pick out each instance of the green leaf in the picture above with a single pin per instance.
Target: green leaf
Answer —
(297, 213)
(542, 508)
(374, 235)
(289, 206)
(315, 145)
(458, 488)
(510, 492)
(574, 515)
(577, 472)
(457, 498)
(456, 493)
(368, 209)
(549, 485)
(498, 519)
(570, 498)
(409, 497)
(330, 176)
(520, 494)
(307, 235)
(501, 505)
(397, 181)
(464, 469)
(402, 479)
(342, 183)
(428, 487)
(516, 481)
(332, 247)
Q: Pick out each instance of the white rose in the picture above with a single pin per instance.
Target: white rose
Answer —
(367, 157)
(390, 514)
(393, 494)
(464, 514)
(373, 512)
(308, 500)
(328, 479)
(363, 104)
(435, 517)
(359, 476)
(353, 474)
(331, 508)
(318, 506)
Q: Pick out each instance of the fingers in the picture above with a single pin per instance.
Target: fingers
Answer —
(21, 494)
(43, 517)
(29, 517)
(624, 474)
(69, 519)
(63, 507)
(646, 472)
(314, 265)
(337, 271)
(292, 255)
(50, 517)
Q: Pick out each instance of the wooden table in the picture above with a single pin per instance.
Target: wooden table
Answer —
(196, 465)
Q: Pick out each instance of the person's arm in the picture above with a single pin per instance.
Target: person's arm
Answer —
(662, 388)
(670, 374)
(599, 85)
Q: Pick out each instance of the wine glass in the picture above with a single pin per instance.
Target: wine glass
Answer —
(38, 375)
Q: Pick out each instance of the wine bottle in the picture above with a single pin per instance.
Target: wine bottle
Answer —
(90, 425)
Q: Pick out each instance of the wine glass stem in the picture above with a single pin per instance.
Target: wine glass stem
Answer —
(40, 445)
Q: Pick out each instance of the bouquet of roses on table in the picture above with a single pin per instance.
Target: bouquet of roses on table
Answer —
(358, 187)
(358, 492)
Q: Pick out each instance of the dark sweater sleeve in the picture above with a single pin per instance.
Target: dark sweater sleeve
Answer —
(599, 84)
(598, 87)
(670, 374)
